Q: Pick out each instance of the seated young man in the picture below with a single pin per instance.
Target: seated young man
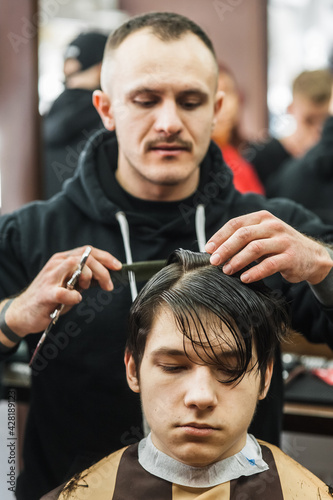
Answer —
(200, 352)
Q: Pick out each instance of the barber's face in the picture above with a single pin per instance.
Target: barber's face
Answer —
(161, 99)
(193, 417)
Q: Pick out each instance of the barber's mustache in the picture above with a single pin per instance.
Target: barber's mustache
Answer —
(172, 140)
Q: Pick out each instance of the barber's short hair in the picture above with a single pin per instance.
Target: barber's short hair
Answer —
(202, 299)
(314, 85)
(167, 26)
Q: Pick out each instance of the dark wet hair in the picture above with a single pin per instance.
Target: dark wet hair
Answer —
(202, 300)
(167, 26)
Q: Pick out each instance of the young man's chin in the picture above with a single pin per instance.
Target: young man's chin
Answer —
(198, 460)
(198, 453)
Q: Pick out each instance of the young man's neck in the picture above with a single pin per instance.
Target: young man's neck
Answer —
(247, 461)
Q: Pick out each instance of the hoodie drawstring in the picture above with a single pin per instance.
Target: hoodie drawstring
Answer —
(200, 222)
(124, 229)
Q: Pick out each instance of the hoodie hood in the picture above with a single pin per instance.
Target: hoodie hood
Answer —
(70, 114)
(86, 188)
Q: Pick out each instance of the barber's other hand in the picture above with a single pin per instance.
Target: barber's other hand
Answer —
(276, 247)
(30, 311)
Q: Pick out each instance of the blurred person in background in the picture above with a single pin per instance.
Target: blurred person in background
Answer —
(72, 118)
(311, 98)
(227, 135)
(309, 180)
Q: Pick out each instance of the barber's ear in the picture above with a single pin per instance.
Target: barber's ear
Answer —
(268, 378)
(218, 105)
(102, 103)
(131, 372)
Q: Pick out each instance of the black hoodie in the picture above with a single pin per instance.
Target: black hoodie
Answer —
(81, 408)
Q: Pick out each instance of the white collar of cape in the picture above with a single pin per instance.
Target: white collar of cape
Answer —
(247, 462)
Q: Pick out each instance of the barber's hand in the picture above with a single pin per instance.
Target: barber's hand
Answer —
(277, 247)
(30, 311)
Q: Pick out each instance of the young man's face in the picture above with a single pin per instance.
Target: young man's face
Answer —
(193, 417)
(161, 99)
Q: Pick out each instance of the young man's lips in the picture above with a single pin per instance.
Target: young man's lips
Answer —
(196, 429)
(198, 425)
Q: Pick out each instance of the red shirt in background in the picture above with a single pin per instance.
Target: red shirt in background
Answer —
(245, 177)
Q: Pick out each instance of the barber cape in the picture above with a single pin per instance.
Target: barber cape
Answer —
(123, 475)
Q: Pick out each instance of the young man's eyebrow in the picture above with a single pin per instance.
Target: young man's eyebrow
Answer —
(167, 351)
(227, 355)
(229, 352)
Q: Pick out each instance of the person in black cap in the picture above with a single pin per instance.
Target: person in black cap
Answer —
(72, 117)
(308, 180)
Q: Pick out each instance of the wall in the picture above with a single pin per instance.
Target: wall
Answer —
(19, 136)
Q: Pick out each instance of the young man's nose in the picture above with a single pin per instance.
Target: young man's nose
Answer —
(201, 389)
(168, 118)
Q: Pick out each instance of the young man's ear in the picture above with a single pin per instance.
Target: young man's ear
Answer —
(102, 103)
(131, 372)
(217, 106)
(267, 380)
